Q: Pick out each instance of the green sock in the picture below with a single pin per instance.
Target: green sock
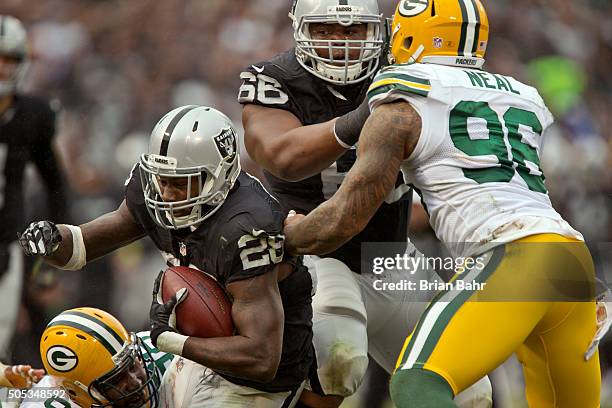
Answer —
(418, 388)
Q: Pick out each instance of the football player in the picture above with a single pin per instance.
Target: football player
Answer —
(27, 128)
(92, 360)
(470, 141)
(302, 110)
(190, 197)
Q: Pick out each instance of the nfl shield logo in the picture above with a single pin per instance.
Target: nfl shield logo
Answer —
(183, 249)
(437, 42)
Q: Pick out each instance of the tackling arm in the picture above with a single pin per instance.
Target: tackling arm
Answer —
(255, 352)
(388, 137)
(277, 141)
(19, 376)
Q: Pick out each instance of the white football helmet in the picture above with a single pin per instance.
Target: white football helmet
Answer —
(194, 142)
(345, 12)
(13, 44)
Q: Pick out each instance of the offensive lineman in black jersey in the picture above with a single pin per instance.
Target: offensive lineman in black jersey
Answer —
(27, 128)
(302, 111)
(190, 197)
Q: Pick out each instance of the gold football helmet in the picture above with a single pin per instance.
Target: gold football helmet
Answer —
(90, 351)
(447, 32)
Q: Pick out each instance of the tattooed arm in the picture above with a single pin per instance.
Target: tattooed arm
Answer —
(388, 137)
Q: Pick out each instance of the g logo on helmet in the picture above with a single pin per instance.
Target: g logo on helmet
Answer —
(410, 8)
(62, 359)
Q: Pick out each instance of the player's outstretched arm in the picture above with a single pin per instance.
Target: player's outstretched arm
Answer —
(70, 247)
(277, 141)
(389, 136)
(254, 352)
(19, 376)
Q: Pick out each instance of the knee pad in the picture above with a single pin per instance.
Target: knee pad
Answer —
(337, 290)
(343, 369)
(478, 395)
(339, 326)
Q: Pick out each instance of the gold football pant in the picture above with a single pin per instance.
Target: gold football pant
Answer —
(525, 308)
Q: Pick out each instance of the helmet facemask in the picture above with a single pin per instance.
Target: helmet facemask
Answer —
(11, 74)
(317, 55)
(213, 186)
(126, 361)
(13, 53)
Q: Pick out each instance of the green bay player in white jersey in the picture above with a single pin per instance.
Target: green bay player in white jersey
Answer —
(470, 143)
(91, 360)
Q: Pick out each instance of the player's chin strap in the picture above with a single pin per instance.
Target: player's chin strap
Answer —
(79, 254)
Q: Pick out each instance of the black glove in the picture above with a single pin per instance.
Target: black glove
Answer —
(162, 315)
(40, 238)
(348, 126)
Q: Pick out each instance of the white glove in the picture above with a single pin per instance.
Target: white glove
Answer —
(604, 321)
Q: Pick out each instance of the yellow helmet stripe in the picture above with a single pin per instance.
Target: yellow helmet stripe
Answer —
(94, 327)
(470, 28)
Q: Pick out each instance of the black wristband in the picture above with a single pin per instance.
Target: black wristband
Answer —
(348, 126)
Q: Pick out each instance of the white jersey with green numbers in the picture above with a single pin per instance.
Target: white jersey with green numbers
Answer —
(477, 162)
(58, 398)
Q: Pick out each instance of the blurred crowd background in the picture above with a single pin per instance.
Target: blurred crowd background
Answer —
(117, 66)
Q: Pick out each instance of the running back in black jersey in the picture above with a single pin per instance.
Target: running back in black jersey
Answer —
(27, 128)
(241, 240)
(282, 83)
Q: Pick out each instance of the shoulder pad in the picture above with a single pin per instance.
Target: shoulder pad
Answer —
(399, 78)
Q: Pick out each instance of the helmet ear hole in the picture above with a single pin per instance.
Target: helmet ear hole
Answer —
(408, 42)
(433, 8)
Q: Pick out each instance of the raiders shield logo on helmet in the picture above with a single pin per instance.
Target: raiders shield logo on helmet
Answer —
(409, 8)
(226, 143)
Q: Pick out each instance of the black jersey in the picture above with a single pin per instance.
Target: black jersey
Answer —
(282, 83)
(241, 240)
(27, 128)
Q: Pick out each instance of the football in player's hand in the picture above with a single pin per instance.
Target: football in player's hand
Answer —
(206, 311)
